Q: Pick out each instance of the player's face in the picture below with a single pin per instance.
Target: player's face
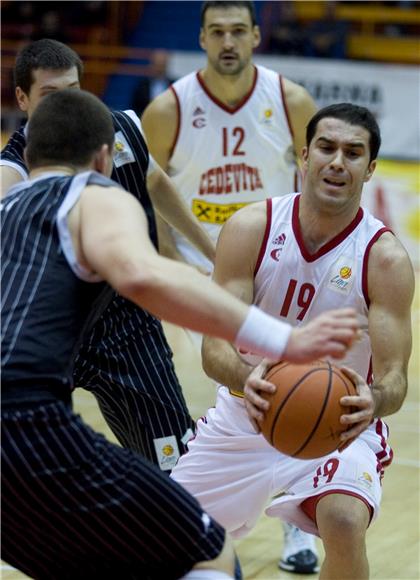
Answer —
(46, 81)
(337, 164)
(229, 39)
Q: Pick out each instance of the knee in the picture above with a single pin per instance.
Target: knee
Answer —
(344, 524)
(225, 562)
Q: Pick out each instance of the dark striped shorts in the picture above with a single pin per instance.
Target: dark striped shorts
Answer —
(75, 505)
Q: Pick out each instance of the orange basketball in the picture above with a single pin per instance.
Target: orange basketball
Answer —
(304, 416)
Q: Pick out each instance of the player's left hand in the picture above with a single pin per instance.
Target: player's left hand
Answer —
(256, 405)
(364, 407)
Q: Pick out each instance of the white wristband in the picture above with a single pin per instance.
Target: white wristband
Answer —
(263, 334)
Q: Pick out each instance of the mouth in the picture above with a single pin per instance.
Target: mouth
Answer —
(334, 182)
(228, 58)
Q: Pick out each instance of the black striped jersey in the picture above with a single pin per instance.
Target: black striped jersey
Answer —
(131, 160)
(46, 294)
(126, 345)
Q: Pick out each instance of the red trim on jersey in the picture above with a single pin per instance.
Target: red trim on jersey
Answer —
(226, 108)
(269, 205)
(365, 288)
(286, 110)
(309, 505)
(379, 427)
(178, 128)
(329, 245)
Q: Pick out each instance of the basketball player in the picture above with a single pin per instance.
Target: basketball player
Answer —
(73, 504)
(296, 256)
(126, 361)
(229, 135)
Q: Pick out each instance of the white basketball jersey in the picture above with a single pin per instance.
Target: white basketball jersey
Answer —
(297, 286)
(223, 158)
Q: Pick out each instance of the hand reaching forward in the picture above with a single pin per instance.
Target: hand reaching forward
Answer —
(330, 334)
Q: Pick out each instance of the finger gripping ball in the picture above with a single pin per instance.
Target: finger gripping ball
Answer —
(304, 416)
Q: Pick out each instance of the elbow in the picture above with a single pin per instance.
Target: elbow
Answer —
(136, 284)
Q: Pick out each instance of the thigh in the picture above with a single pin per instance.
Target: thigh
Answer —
(76, 505)
(229, 468)
(154, 429)
(354, 472)
(134, 381)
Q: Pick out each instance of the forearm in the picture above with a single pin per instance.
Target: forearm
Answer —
(222, 363)
(172, 208)
(179, 294)
(167, 245)
(389, 393)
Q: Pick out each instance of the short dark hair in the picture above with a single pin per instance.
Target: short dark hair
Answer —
(250, 6)
(67, 128)
(353, 115)
(44, 54)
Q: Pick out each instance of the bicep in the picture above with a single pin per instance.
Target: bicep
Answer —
(159, 121)
(390, 309)
(301, 109)
(114, 234)
(237, 251)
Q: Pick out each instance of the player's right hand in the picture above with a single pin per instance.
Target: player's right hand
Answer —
(330, 334)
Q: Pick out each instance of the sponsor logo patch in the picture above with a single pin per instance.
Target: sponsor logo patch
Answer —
(214, 213)
(365, 479)
(167, 452)
(341, 275)
(122, 150)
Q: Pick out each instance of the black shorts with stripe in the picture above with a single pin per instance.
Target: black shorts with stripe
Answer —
(127, 364)
(75, 505)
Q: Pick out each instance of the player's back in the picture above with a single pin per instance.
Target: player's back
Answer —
(46, 294)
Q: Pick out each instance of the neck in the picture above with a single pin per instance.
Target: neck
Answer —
(229, 89)
(65, 169)
(318, 226)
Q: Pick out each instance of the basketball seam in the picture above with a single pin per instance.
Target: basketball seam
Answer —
(324, 406)
(289, 394)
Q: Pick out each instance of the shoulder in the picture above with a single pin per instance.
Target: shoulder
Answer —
(297, 97)
(250, 221)
(164, 107)
(160, 123)
(388, 252)
(390, 269)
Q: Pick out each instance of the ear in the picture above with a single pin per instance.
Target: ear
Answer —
(201, 39)
(370, 170)
(102, 161)
(257, 37)
(304, 158)
(22, 99)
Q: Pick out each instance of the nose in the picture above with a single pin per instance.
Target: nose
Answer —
(337, 162)
(227, 40)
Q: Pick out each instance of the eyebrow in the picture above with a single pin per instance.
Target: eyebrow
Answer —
(55, 86)
(353, 144)
(232, 24)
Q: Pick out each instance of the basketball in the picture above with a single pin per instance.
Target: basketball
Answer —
(304, 416)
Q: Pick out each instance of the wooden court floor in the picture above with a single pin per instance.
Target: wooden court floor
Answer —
(394, 539)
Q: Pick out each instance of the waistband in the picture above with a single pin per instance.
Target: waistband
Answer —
(236, 393)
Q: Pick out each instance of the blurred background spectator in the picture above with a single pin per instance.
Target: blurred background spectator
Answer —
(286, 36)
(151, 86)
(327, 37)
